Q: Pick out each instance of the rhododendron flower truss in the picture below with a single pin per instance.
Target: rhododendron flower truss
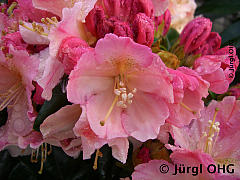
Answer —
(215, 133)
(125, 88)
(17, 72)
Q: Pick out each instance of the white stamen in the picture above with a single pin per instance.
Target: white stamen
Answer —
(130, 101)
(130, 95)
(134, 90)
(209, 122)
(217, 123)
(124, 97)
(123, 90)
(117, 92)
(120, 103)
(204, 134)
(121, 84)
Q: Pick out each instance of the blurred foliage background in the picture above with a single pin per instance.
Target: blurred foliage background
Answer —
(226, 21)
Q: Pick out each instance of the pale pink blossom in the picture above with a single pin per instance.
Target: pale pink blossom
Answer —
(57, 129)
(17, 73)
(27, 12)
(215, 133)
(91, 142)
(182, 12)
(70, 26)
(121, 83)
(219, 69)
(186, 85)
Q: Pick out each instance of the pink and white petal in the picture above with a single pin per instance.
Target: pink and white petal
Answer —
(144, 116)
(19, 123)
(81, 88)
(119, 148)
(42, 56)
(113, 48)
(160, 6)
(54, 71)
(31, 37)
(189, 158)
(34, 139)
(53, 6)
(26, 65)
(71, 25)
(97, 111)
(152, 82)
(151, 171)
(88, 79)
(60, 124)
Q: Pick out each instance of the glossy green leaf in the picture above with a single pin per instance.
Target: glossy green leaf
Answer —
(58, 100)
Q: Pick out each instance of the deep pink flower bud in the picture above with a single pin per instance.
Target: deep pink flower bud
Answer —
(122, 29)
(143, 29)
(195, 34)
(95, 17)
(70, 51)
(37, 98)
(142, 6)
(211, 45)
(126, 10)
(166, 17)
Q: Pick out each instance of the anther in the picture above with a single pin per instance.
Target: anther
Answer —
(130, 95)
(117, 92)
(189, 109)
(121, 84)
(124, 97)
(134, 90)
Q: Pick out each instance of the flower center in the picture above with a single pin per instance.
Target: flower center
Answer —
(123, 96)
(11, 96)
(210, 138)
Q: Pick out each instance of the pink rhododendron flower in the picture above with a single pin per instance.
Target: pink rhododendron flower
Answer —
(70, 27)
(128, 18)
(57, 129)
(212, 134)
(219, 70)
(70, 51)
(186, 85)
(195, 34)
(91, 142)
(182, 12)
(17, 73)
(26, 12)
(34, 139)
(121, 83)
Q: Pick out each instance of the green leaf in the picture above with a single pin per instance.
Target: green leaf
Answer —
(218, 8)
(172, 36)
(57, 101)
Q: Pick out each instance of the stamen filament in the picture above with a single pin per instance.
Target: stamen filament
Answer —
(109, 111)
(98, 153)
(188, 108)
(210, 130)
(10, 96)
(33, 30)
